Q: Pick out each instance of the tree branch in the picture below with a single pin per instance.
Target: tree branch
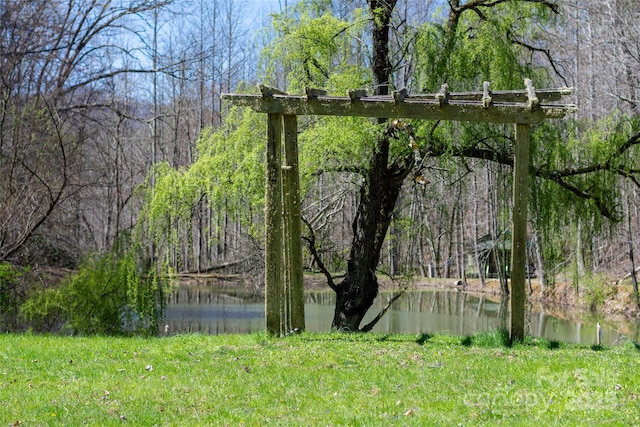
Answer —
(557, 176)
(311, 243)
(341, 169)
(455, 6)
(370, 325)
(546, 53)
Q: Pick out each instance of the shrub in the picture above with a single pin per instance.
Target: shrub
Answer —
(596, 291)
(11, 295)
(108, 295)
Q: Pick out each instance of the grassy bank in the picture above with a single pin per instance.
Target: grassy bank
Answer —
(314, 379)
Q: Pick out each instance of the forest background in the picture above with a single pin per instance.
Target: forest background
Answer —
(119, 161)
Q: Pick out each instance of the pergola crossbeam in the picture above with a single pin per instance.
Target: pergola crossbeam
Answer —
(498, 107)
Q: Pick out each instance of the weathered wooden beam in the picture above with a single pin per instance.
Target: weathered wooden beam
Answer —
(274, 283)
(519, 230)
(294, 278)
(411, 108)
(543, 95)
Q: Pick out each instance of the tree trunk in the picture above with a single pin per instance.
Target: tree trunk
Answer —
(378, 195)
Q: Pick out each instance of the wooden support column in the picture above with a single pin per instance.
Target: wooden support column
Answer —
(274, 283)
(519, 230)
(294, 291)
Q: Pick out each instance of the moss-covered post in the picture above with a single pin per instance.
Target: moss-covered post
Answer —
(294, 289)
(274, 283)
(519, 230)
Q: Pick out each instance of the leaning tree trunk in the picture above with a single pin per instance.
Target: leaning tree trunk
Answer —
(378, 195)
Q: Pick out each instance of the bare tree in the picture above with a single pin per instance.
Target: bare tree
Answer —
(57, 59)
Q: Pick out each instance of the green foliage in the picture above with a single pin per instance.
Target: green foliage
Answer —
(109, 294)
(314, 48)
(479, 50)
(44, 311)
(9, 279)
(336, 144)
(491, 339)
(167, 199)
(10, 294)
(230, 162)
(587, 158)
(228, 174)
(596, 291)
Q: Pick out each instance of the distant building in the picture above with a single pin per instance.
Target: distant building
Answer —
(493, 256)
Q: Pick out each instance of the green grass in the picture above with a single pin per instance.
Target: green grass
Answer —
(313, 379)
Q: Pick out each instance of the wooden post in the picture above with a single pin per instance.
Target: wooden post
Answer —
(294, 278)
(273, 227)
(519, 230)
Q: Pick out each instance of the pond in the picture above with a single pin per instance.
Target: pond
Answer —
(210, 309)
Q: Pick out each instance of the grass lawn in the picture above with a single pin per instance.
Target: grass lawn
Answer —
(314, 379)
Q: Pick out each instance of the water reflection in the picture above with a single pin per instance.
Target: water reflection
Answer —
(211, 310)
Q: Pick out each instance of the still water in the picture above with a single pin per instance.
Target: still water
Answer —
(212, 310)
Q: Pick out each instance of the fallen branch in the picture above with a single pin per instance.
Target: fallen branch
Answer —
(626, 276)
(213, 268)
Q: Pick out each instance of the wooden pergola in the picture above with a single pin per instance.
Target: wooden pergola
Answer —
(284, 305)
